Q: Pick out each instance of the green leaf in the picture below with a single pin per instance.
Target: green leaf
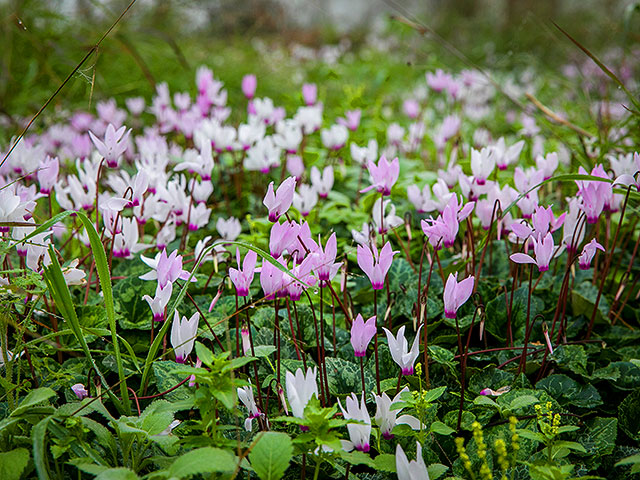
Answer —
(434, 394)
(117, 474)
(166, 377)
(599, 436)
(535, 436)
(202, 460)
(357, 458)
(264, 350)
(436, 470)
(523, 401)
(569, 445)
(204, 354)
(13, 463)
(385, 462)
(35, 397)
(344, 377)
(441, 428)
(569, 392)
(38, 438)
(628, 418)
(271, 455)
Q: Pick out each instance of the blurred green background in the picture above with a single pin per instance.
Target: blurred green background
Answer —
(41, 41)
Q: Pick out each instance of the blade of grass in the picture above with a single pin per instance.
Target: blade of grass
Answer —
(102, 267)
(600, 65)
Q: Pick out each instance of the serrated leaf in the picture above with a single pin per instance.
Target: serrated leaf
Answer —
(271, 455)
(35, 397)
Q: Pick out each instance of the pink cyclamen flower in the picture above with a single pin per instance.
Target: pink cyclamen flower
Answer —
(375, 265)
(543, 250)
(166, 269)
(279, 202)
(588, 252)
(114, 145)
(80, 391)
(411, 108)
(272, 279)
(48, 174)
(310, 93)
(384, 175)
(325, 260)
(249, 84)
(242, 277)
(456, 294)
(399, 348)
(160, 301)
(351, 120)
(361, 334)
(282, 236)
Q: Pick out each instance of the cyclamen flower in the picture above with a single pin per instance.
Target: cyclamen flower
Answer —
(456, 294)
(351, 120)
(411, 470)
(387, 418)
(183, 335)
(80, 391)
(543, 250)
(399, 348)
(505, 156)
(322, 183)
(282, 236)
(361, 334)
(279, 202)
(245, 394)
(114, 145)
(383, 221)
(358, 434)
(159, 302)
(305, 199)
(310, 93)
(48, 174)
(249, 84)
(165, 269)
(229, 229)
(300, 389)
(272, 279)
(375, 265)
(335, 137)
(384, 175)
(588, 252)
(482, 164)
(242, 277)
(325, 267)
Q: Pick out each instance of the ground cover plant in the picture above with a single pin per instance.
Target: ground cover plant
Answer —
(433, 281)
